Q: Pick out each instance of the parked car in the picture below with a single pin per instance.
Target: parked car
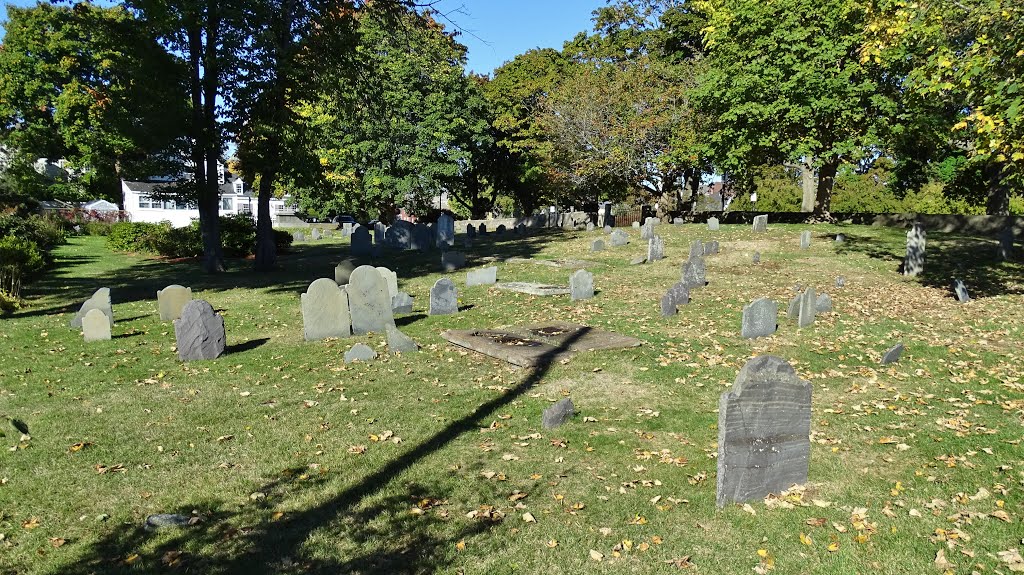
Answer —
(343, 219)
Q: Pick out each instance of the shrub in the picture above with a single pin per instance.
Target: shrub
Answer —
(237, 235)
(46, 234)
(283, 240)
(178, 242)
(19, 259)
(96, 228)
(135, 236)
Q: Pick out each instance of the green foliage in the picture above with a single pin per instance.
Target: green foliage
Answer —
(96, 228)
(932, 198)
(778, 190)
(20, 258)
(135, 236)
(45, 233)
(238, 233)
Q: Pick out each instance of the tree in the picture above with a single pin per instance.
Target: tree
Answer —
(90, 85)
(786, 82)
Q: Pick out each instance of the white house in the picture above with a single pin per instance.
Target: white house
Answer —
(236, 197)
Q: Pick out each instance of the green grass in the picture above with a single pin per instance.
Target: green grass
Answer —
(273, 443)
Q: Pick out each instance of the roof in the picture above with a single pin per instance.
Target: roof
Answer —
(147, 187)
(101, 205)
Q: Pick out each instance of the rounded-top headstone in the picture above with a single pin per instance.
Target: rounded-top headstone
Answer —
(171, 300)
(443, 298)
(325, 311)
(95, 326)
(369, 301)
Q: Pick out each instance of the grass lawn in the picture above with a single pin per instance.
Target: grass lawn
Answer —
(437, 462)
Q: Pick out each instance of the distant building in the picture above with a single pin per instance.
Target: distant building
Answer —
(236, 197)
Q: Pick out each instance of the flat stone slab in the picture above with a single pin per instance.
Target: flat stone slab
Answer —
(565, 263)
(360, 352)
(575, 336)
(506, 346)
(533, 288)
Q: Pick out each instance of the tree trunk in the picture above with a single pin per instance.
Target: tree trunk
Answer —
(266, 247)
(808, 182)
(826, 181)
(213, 255)
(691, 184)
(998, 203)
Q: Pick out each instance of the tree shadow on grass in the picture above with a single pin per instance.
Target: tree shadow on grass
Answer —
(386, 536)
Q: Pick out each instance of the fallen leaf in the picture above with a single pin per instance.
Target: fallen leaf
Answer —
(596, 555)
(941, 562)
(529, 518)
(461, 545)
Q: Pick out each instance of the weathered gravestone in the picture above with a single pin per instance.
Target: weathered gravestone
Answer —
(655, 249)
(445, 230)
(597, 246)
(647, 230)
(325, 311)
(840, 238)
(422, 239)
(401, 303)
(805, 240)
(913, 263)
(470, 231)
(399, 235)
(346, 229)
(760, 318)
(482, 230)
(360, 352)
(500, 230)
(712, 224)
(695, 273)
(95, 326)
(315, 234)
(531, 288)
(590, 226)
(199, 332)
(581, 285)
(391, 279)
(960, 291)
(696, 249)
(100, 300)
(171, 300)
(558, 414)
(486, 276)
(711, 248)
(638, 260)
(343, 271)
(764, 427)
(398, 342)
(361, 245)
(761, 223)
(619, 238)
(793, 310)
(823, 304)
(608, 229)
(380, 232)
(840, 281)
(299, 236)
(636, 225)
(892, 355)
(808, 303)
(676, 296)
(369, 301)
(1005, 251)
(443, 298)
(757, 257)
(451, 261)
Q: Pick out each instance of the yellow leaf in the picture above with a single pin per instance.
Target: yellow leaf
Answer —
(131, 558)
(552, 543)
(529, 518)
(596, 555)
(806, 539)
(461, 545)
(833, 546)
(762, 553)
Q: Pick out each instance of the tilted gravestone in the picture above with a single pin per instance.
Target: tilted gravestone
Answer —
(391, 279)
(95, 326)
(793, 310)
(445, 230)
(401, 303)
(676, 296)
(361, 245)
(638, 260)
(483, 277)
(696, 249)
(647, 230)
(917, 240)
(712, 224)
(451, 261)
(1005, 251)
(360, 352)
(892, 355)
(343, 271)
(398, 342)
(171, 300)
(581, 285)
(443, 298)
(199, 332)
(764, 427)
(760, 318)
(100, 300)
(619, 238)
(655, 249)
(805, 240)
(808, 303)
(695, 273)
(558, 414)
(823, 304)
(960, 291)
(369, 302)
(325, 311)
(597, 246)
(761, 223)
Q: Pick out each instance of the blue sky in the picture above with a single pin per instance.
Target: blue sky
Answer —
(496, 30)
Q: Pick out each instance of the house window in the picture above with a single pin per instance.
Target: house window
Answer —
(238, 187)
(147, 202)
(227, 204)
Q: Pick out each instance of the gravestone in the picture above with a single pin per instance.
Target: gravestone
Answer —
(315, 234)
(558, 414)
(597, 246)
(361, 245)
(760, 318)
(808, 301)
(421, 238)
(500, 230)
(451, 261)
(398, 342)
(840, 281)
(647, 230)
(960, 291)
(793, 310)
(840, 238)
(1005, 251)
(171, 300)
(805, 240)
(391, 279)
(508, 346)
(655, 249)
(328, 233)
(483, 277)
(443, 298)
(360, 352)
(823, 304)
(369, 301)
(608, 229)
(913, 263)
(764, 427)
(199, 332)
(581, 285)
(482, 230)
(380, 231)
(638, 260)
(714, 247)
(401, 303)
(712, 224)
(325, 311)
(445, 229)
(100, 300)
(399, 235)
(531, 288)
(590, 226)
(619, 238)
(761, 223)
(470, 231)
(346, 229)
(636, 225)
(95, 326)
(696, 249)
(668, 305)
(695, 273)
(676, 296)
(757, 257)
(892, 355)
(299, 236)
(343, 271)
(467, 242)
